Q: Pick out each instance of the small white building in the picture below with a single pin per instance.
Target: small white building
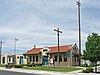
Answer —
(13, 59)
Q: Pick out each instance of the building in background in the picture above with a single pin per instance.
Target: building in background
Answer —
(69, 55)
(10, 59)
(37, 55)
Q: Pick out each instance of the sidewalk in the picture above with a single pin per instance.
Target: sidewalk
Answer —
(46, 72)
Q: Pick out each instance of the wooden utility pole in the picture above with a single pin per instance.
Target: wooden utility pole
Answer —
(1, 49)
(79, 23)
(58, 31)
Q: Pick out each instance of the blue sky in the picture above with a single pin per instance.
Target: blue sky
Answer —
(34, 21)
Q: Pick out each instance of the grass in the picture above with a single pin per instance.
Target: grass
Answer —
(2, 65)
(56, 69)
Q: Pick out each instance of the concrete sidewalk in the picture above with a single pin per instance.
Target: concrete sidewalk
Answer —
(46, 72)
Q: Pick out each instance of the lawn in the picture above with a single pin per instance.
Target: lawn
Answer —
(2, 65)
(56, 69)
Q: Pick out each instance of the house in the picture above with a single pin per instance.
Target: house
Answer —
(69, 55)
(37, 55)
(13, 59)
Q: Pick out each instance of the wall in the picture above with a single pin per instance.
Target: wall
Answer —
(17, 59)
(31, 61)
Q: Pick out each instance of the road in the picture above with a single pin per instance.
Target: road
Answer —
(13, 73)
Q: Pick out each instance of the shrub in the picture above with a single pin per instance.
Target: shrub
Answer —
(38, 64)
(92, 65)
(29, 65)
(18, 66)
(90, 69)
(84, 65)
(85, 71)
(8, 66)
(33, 65)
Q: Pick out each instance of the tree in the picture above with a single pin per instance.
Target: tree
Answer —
(92, 52)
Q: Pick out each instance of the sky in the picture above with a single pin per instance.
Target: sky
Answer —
(33, 22)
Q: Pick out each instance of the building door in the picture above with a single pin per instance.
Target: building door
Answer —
(45, 60)
(21, 60)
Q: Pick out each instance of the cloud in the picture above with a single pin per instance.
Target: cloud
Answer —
(33, 22)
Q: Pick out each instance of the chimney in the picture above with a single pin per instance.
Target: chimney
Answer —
(34, 46)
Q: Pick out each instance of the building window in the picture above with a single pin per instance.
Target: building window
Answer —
(60, 58)
(9, 59)
(36, 58)
(65, 58)
(18, 57)
(45, 50)
(25, 57)
(30, 58)
(74, 48)
(50, 56)
(74, 59)
(33, 58)
(56, 58)
(3, 60)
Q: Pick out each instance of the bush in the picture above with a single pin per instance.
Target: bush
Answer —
(29, 65)
(33, 65)
(8, 66)
(85, 71)
(15, 66)
(39, 64)
(18, 66)
(88, 70)
(84, 65)
(92, 65)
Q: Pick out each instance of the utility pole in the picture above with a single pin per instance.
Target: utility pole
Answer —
(58, 31)
(1, 49)
(15, 45)
(15, 49)
(79, 4)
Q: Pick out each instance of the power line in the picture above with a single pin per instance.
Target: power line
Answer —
(46, 37)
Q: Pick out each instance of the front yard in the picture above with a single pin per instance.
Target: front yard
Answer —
(47, 68)
(56, 69)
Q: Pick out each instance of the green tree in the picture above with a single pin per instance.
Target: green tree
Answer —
(92, 52)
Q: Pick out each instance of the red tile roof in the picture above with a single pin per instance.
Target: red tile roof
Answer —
(53, 49)
(64, 48)
(34, 51)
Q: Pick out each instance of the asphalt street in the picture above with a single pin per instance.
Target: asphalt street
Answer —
(13, 73)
